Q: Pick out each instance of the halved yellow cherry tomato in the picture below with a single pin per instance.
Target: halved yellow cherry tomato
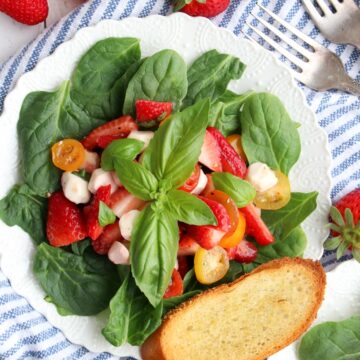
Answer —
(68, 154)
(276, 197)
(231, 240)
(235, 141)
(211, 265)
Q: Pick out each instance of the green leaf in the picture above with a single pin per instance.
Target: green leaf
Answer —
(132, 318)
(23, 208)
(349, 217)
(336, 216)
(161, 77)
(176, 145)
(341, 250)
(332, 243)
(126, 149)
(61, 311)
(356, 254)
(241, 191)
(179, 4)
(82, 174)
(210, 74)
(79, 247)
(136, 179)
(281, 222)
(154, 245)
(174, 301)
(82, 285)
(332, 341)
(189, 209)
(106, 215)
(268, 133)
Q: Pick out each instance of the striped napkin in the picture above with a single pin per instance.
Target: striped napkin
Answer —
(26, 334)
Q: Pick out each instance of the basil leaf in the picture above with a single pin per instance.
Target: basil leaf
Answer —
(132, 318)
(82, 174)
(120, 149)
(174, 301)
(268, 133)
(161, 77)
(153, 250)
(281, 222)
(189, 209)
(241, 191)
(95, 77)
(210, 75)
(332, 341)
(23, 208)
(136, 179)
(82, 285)
(176, 145)
(106, 215)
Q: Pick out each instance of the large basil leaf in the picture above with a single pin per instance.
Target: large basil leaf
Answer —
(210, 75)
(332, 341)
(23, 208)
(47, 117)
(175, 148)
(82, 285)
(268, 133)
(132, 317)
(95, 79)
(281, 222)
(161, 77)
(153, 250)
(189, 209)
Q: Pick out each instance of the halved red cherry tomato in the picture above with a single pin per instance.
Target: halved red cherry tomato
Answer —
(175, 287)
(209, 185)
(246, 252)
(231, 240)
(192, 181)
(211, 265)
(68, 154)
(235, 141)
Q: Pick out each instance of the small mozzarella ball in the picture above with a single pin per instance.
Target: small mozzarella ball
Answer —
(201, 185)
(144, 136)
(126, 223)
(119, 254)
(101, 178)
(75, 188)
(91, 161)
(261, 176)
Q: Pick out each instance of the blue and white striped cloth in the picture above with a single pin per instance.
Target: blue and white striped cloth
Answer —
(26, 334)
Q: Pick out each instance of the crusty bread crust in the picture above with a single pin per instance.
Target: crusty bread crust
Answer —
(154, 347)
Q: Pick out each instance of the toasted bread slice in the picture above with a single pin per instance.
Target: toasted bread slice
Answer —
(249, 319)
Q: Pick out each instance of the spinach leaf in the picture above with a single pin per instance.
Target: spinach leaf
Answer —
(170, 303)
(268, 133)
(241, 191)
(120, 149)
(132, 317)
(281, 222)
(61, 311)
(189, 209)
(332, 341)
(82, 285)
(153, 250)
(210, 75)
(23, 208)
(106, 215)
(176, 145)
(79, 247)
(95, 79)
(47, 117)
(161, 77)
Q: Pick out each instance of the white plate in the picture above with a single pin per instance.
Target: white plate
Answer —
(190, 37)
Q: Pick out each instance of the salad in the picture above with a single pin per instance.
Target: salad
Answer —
(146, 182)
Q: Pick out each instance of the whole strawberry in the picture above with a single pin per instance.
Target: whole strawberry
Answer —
(206, 8)
(345, 225)
(29, 12)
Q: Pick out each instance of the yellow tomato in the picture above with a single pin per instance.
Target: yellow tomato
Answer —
(211, 265)
(231, 240)
(68, 154)
(276, 197)
(235, 141)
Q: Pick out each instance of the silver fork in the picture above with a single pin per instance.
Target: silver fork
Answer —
(341, 26)
(320, 69)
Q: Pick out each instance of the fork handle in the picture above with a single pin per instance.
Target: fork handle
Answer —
(349, 85)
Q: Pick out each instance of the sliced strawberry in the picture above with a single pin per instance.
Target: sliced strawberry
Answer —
(122, 201)
(245, 252)
(183, 265)
(104, 141)
(65, 224)
(120, 127)
(187, 246)
(192, 181)
(255, 226)
(148, 110)
(110, 234)
(175, 287)
(210, 155)
(230, 160)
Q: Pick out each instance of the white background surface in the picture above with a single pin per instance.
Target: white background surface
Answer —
(15, 35)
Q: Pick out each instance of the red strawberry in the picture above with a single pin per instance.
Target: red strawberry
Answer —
(120, 127)
(91, 212)
(104, 141)
(183, 263)
(255, 226)
(207, 8)
(122, 201)
(230, 160)
(148, 110)
(28, 12)
(187, 246)
(110, 234)
(245, 252)
(210, 155)
(64, 222)
(192, 181)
